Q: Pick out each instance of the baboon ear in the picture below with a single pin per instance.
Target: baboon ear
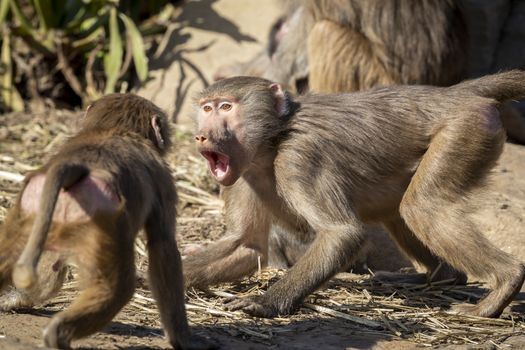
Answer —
(156, 126)
(281, 104)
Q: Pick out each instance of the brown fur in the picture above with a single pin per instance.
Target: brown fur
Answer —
(378, 43)
(86, 205)
(410, 157)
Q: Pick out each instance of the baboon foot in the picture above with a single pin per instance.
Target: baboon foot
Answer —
(399, 277)
(13, 298)
(493, 304)
(56, 336)
(443, 275)
(255, 306)
(446, 273)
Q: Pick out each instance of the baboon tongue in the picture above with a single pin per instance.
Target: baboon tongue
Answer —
(221, 166)
(219, 163)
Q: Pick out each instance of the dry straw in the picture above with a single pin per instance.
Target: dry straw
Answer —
(396, 311)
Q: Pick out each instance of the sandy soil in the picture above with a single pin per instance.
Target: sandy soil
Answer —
(207, 35)
(26, 138)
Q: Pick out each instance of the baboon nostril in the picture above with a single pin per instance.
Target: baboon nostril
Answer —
(200, 138)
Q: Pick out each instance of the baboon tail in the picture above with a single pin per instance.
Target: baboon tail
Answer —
(57, 177)
(501, 87)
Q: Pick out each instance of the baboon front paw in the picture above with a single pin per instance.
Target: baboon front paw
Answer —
(472, 310)
(253, 305)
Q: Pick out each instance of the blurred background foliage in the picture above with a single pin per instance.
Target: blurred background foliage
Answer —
(71, 52)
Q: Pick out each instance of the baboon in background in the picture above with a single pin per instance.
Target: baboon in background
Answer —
(51, 272)
(410, 157)
(87, 205)
(343, 46)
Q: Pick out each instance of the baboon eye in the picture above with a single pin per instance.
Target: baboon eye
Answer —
(226, 106)
(207, 108)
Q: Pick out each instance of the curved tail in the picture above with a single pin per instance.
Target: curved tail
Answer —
(501, 86)
(59, 176)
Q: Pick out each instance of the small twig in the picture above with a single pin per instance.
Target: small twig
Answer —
(90, 81)
(209, 310)
(338, 314)
(222, 294)
(496, 345)
(165, 39)
(11, 176)
(189, 187)
(65, 68)
(127, 58)
(254, 333)
(143, 308)
(388, 325)
(142, 297)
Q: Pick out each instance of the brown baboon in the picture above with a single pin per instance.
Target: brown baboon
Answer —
(410, 157)
(345, 46)
(86, 205)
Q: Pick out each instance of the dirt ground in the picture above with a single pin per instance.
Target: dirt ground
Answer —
(349, 312)
(207, 35)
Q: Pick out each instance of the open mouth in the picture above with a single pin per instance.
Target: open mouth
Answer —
(219, 164)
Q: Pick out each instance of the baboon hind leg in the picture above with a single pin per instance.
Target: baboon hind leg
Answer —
(106, 267)
(165, 274)
(435, 207)
(12, 241)
(167, 282)
(437, 269)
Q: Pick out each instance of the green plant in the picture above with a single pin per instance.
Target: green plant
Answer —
(86, 46)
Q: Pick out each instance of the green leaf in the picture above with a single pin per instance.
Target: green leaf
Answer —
(89, 40)
(4, 8)
(137, 46)
(42, 8)
(74, 16)
(113, 59)
(19, 15)
(49, 13)
(10, 96)
(88, 24)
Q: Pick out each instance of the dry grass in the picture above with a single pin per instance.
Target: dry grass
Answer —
(410, 312)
